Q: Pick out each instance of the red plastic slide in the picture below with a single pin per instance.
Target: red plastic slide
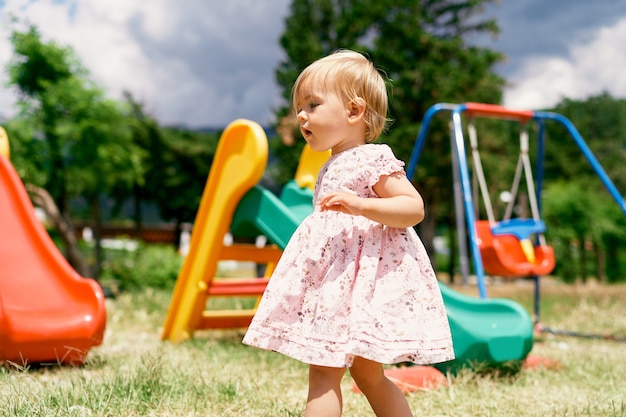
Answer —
(48, 313)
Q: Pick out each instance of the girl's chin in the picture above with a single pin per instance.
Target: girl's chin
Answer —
(316, 148)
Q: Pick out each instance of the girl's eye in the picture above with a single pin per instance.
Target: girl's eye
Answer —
(307, 107)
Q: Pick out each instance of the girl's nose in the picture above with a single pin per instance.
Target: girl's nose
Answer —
(301, 116)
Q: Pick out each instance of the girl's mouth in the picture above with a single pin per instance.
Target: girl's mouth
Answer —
(305, 132)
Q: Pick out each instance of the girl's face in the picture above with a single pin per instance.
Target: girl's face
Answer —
(326, 122)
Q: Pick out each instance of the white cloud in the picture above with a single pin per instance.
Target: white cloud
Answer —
(97, 35)
(193, 62)
(592, 67)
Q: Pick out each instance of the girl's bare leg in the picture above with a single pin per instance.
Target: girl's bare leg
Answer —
(324, 398)
(383, 395)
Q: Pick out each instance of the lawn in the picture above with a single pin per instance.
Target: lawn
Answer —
(134, 373)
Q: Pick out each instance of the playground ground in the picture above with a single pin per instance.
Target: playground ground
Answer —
(135, 374)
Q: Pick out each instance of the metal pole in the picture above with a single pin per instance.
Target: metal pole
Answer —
(468, 202)
(458, 210)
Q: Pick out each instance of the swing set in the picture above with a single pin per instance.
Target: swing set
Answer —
(506, 246)
(513, 247)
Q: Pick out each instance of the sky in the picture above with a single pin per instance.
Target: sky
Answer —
(204, 63)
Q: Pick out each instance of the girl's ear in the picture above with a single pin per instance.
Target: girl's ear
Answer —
(356, 109)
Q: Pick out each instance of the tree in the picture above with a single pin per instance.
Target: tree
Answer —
(187, 160)
(601, 121)
(176, 169)
(83, 138)
(577, 206)
(578, 217)
(422, 46)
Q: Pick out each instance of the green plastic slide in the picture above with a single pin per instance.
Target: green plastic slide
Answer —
(486, 332)
(260, 212)
(298, 199)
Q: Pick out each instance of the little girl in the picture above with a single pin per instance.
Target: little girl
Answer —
(354, 287)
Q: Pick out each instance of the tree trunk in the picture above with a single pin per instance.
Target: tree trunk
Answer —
(600, 263)
(137, 211)
(63, 226)
(583, 259)
(452, 246)
(613, 273)
(97, 234)
(568, 264)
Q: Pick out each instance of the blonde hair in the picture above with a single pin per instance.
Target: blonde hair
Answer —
(350, 75)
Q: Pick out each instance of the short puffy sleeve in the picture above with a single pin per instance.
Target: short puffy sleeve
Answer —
(382, 162)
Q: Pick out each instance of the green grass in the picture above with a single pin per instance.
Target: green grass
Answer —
(134, 373)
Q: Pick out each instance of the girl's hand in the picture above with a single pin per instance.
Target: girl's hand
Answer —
(343, 202)
(399, 204)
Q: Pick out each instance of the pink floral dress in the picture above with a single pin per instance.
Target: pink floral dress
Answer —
(347, 286)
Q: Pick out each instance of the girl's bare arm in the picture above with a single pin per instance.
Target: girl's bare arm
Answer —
(399, 205)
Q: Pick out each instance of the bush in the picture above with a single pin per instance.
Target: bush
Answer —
(149, 265)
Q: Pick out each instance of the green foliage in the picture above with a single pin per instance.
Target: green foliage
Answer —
(601, 121)
(613, 241)
(577, 208)
(568, 213)
(186, 162)
(574, 216)
(149, 266)
(84, 137)
(29, 153)
(47, 64)
(176, 168)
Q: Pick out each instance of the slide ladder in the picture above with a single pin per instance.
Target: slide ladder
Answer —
(232, 201)
(238, 165)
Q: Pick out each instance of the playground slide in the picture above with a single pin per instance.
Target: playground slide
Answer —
(298, 199)
(238, 164)
(260, 212)
(486, 331)
(48, 313)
